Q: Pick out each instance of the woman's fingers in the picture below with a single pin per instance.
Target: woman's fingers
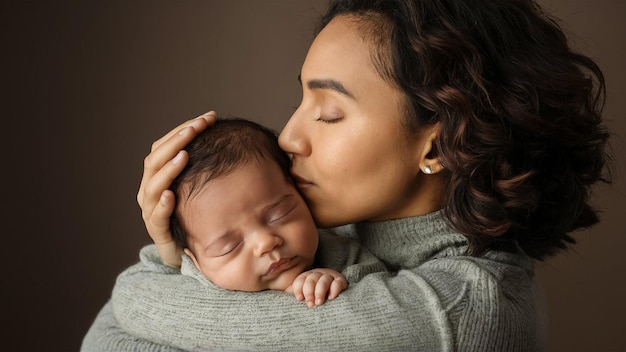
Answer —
(160, 230)
(165, 161)
(152, 188)
(166, 149)
(158, 223)
(197, 123)
(158, 206)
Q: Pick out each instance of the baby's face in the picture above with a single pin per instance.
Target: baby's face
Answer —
(250, 230)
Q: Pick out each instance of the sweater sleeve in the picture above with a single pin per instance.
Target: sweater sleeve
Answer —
(346, 255)
(105, 335)
(380, 312)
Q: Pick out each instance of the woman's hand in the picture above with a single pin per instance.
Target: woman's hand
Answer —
(165, 161)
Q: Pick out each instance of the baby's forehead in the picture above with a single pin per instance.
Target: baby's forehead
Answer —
(206, 178)
(245, 174)
(246, 195)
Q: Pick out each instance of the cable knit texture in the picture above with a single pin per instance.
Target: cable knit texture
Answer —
(421, 294)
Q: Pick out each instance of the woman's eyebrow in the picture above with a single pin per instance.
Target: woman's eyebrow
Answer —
(327, 84)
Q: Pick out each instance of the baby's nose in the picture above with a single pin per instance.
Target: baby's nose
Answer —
(266, 241)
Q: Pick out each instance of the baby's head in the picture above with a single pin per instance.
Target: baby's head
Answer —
(238, 215)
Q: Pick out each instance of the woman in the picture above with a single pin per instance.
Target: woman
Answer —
(461, 138)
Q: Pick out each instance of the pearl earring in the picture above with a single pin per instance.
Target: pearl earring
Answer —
(428, 170)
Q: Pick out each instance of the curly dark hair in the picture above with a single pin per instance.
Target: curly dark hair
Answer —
(216, 152)
(519, 113)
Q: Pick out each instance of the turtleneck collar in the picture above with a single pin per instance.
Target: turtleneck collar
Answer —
(408, 242)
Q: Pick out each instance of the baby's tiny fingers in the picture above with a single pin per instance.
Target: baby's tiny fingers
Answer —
(297, 286)
(321, 289)
(308, 289)
(337, 286)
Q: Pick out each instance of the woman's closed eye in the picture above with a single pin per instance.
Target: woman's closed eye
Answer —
(330, 114)
(329, 119)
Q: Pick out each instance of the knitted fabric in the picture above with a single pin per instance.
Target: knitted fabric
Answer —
(434, 298)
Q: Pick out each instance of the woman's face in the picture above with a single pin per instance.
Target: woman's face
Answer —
(352, 158)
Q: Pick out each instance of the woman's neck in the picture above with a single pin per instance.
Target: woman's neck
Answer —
(407, 242)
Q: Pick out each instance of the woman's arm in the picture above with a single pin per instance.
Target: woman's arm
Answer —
(381, 312)
(105, 335)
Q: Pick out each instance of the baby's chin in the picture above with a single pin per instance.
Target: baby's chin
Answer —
(282, 282)
(279, 283)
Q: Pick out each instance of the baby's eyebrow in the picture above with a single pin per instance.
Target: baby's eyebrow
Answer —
(226, 235)
(277, 202)
(217, 240)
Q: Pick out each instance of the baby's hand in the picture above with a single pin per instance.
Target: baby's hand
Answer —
(317, 284)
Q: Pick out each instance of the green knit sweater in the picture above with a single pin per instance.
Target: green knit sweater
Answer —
(434, 298)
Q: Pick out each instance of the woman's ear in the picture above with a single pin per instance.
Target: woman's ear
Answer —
(429, 162)
(193, 258)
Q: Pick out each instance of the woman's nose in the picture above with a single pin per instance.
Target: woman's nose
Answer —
(265, 242)
(292, 139)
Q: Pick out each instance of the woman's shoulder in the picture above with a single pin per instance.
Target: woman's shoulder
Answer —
(484, 295)
(492, 273)
(496, 281)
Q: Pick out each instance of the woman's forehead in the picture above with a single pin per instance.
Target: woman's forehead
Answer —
(340, 53)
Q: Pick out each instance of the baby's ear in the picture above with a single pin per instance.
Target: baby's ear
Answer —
(193, 257)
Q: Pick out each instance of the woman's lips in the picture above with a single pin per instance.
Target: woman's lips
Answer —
(300, 181)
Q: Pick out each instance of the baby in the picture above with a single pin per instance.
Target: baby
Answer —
(241, 220)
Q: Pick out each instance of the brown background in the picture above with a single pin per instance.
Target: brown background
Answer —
(87, 86)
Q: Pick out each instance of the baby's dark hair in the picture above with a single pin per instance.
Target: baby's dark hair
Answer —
(219, 150)
(519, 112)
